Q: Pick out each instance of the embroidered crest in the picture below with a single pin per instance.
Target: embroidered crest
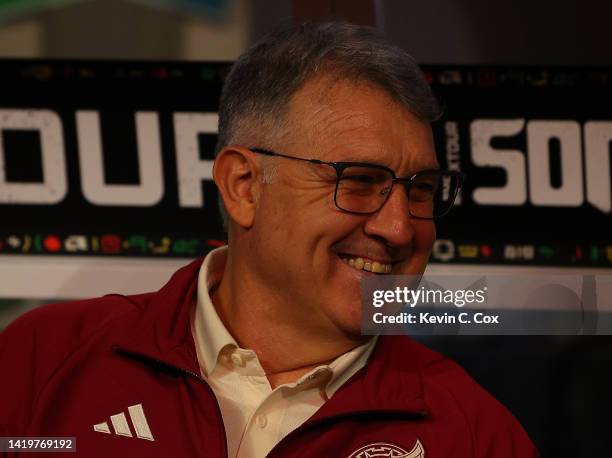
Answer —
(387, 450)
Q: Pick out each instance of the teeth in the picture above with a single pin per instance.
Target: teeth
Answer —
(368, 265)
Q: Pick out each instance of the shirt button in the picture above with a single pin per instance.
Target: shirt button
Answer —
(261, 421)
(237, 359)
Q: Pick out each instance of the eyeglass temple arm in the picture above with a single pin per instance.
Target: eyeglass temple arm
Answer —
(272, 153)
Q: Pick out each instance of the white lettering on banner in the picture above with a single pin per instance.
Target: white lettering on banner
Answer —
(591, 183)
(571, 192)
(191, 170)
(514, 192)
(149, 191)
(453, 151)
(541, 192)
(54, 186)
(597, 141)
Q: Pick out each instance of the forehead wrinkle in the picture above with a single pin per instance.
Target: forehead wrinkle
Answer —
(326, 110)
(332, 124)
(354, 136)
(346, 129)
(314, 112)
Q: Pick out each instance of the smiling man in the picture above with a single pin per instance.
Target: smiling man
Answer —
(296, 255)
(327, 173)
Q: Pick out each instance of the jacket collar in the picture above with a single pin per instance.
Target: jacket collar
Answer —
(391, 381)
(163, 333)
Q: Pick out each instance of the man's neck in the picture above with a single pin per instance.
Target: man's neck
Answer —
(255, 318)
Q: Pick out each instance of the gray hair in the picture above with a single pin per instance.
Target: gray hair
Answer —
(257, 91)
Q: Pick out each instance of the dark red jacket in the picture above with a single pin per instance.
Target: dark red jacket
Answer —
(68, 367)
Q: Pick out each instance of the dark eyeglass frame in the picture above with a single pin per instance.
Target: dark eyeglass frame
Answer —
(339, 167)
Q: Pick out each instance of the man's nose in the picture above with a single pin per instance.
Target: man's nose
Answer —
(393, 221)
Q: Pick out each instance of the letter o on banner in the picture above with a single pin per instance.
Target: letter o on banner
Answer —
(54, 187)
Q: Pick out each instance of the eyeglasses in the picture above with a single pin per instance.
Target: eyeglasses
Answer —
(363, 188)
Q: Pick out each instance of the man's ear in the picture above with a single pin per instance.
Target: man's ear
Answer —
(235, 173)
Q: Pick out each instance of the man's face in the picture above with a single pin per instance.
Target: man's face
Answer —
(302, 241)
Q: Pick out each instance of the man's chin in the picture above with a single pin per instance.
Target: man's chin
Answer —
(349, 323)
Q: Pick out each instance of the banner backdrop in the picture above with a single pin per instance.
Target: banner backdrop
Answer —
(115, 159)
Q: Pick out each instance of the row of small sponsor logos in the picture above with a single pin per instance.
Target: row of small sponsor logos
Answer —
(106, 244)
(140, 245)
(43, 72)
(479, 77)
(536, 78)
(448, 250)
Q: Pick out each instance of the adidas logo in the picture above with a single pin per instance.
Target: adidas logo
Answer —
(122, 427)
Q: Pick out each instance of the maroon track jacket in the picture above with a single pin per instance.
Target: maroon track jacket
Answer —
(121, 375)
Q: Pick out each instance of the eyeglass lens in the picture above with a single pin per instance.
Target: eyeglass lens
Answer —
(362, 189)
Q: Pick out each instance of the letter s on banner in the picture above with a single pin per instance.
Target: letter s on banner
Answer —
(512, 161)
(54, 187)
(597, 138)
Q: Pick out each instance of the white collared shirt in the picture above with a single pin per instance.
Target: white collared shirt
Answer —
(256, 417)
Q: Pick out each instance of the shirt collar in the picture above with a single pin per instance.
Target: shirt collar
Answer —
(330, 377)
(212, 337)
(348, 364)
(210, 334)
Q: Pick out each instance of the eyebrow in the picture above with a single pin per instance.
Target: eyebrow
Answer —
(429, 166)
(352, 162)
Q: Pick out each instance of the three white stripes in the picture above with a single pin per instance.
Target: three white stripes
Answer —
(121, 426)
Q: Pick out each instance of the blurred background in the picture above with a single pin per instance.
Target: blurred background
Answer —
(561, 32)
(557, 386)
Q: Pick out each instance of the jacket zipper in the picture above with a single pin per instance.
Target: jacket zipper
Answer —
(186, 372)
(420, 414)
